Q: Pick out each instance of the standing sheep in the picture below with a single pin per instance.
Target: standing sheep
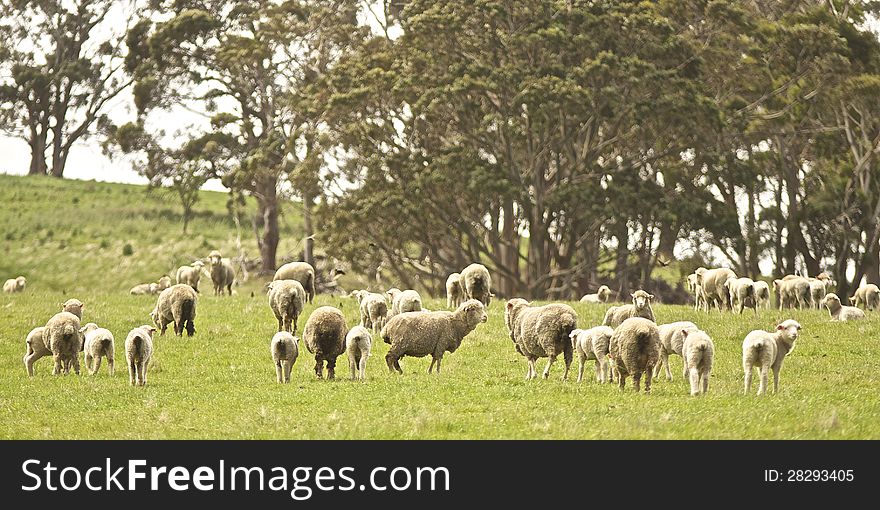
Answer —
(818, 289)
(74, 306)
(792, 290)
(698, 352)
(177, 305)
(286, 299)
(98, 343)
(324, 336)
(63, 339)
(741, 294)
(303, 272)
(712, 284)
(640, 307)
(284, 351)
(867, 296)
(590, 344)
(601, 296)
(138, 351)
(222, 273)
(696, 290)
(839, 312)
(358, 343)
(454, 291)
(434, 333)
(373, 309)
(404, 301)
(477, 283)
(15, 284)
(36, 345)
(541, 332)
(762, 294)
(764, 350)
(671, 341)
(634, 350)
(191, 274)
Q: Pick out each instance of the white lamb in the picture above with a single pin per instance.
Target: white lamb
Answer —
(358, 344)
(284, 350)
(764, 350)
(698, 352)
(593, 344)
(138, 351)
(98, 343)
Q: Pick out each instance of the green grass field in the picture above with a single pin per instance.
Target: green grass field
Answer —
(221, 382)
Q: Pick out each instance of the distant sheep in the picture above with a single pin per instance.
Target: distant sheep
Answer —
(403, 301)
(358, 344)
(741, 294)
(601, 296)
(36, 344)
(222, 273)
(144, 289)
(163, 283)
(593, 344)
(63, 339)
(698, 352)
(98, 343)
(765, 351)
(15, 284)
(640, 307)
(477, 283)
(373, 309)
(284, 351)
(867, 296)
(176, 305)
(454, 291)
(671, 342)
(762, 294)
(541, 332)
(792, 291)
(818, 289)
(286, 299)
(303, 272)
(324, 336)
(191, 274)
(634, 351)
(712, 284)
(138, 352)
(696, 290)
(839, 312)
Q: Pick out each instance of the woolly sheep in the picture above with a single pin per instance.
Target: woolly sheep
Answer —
(191, 274)
(138, 351)
(15, 284)
(640, 307)
(74, 306)
(284, 351)
(358, 343)
(98, 343)
(867, 296)
(36, 346)
(712, 284)
(404, 301)
(477, 283)
(144, 289)
(765, 350)
(177, 305)
(303, 272)
(601, 296)
(698, 352)
(286, 299)
(324, 336)
(818, 289)
(163, 283)
(373, 309)
(593, 344)
(541, 332)
(792, 291)
(222, 273)
(63, 339)
(696, 290)
(839, 312)
(634, 351)
(423, 333)
(762, 294)
(741, 293)
(671, 342)
(454, 291)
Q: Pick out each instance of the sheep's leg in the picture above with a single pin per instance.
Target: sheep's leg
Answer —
(96, 364)
(278, 372)
(132, 369)
(331, 368)
(390, 361)
(581, 362)
(288, 366)
(29, 361)
(351, 367)
(319, 368)
(659, 365)
(695, 381)
(705, 377)
(776, 379)
(531, 371)
(363, 367)
(762, 387)
(637, 380)
(57, 368)
(550, 361)
(438, 364)
(142, 373)
(281, 324)
(665, 360)
(748, 381)
(621, 381)
(567, 356)
(431, 366)
(110, 366)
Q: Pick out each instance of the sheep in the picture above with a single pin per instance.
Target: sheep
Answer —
(74, 306)
(818, 289)
(541, 332)
(177, 305)
(98, 343)
(454, 291)
(712, 284)
(762, 294)
(765, 350)
(222, 273)
(286, 299)
(36, 345)
(698, 352)
(163, 283)
(324, 336)
(671, 341)
(144, 289)
(634, 350)
(404, 301)
(434, 333)
(867, 296)
(373, 309)
(358, 343)
(191, 274)
(477, 283)
(742, 293)
(601, 296)
(696, 290)
(138, 351)
(792, 290)
(590, 344)
(63, 339)
(640, 307)
(284, 351)
(839, 312)
(303, 272)
(15, 284)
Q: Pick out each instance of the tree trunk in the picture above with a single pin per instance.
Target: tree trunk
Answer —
(38, 156)
(622, 267)
(509, 252)
(59, 160)
(751, 263)
(309, 245)
(268, 241)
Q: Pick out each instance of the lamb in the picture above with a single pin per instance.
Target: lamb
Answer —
(634, 350)
(138, 351)
(867, 296)
(404, 301)
(640, 307)
(818, 289)
(63, 339)
(98, 343)
(191, 274)
(303, 272)
(15, 284)
(792, 290)
(698, 352)
(177, 305)
(696, 290)
(163, 283)
(284, 351)
(601, 296)
(671, 341)
(74, 306)
(712, 284)
(839, 312)
(358, 343)
(541, 332)
(434, 333)
(454, 291)
(144, 289)
(36, 345)
(590, 344)
(762, 294)
(477, 283)
(764, 350)
(222, 273)
(324, 336)
(373, 309)
(742, 293)
(286, 299)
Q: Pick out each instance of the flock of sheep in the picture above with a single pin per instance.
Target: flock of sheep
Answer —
(628, 343)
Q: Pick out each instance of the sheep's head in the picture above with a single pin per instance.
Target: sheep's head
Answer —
(74, 306)
(154, 315)
(511, 310)
(776, 285)
(149, 329)
(154, 288)
(20, 281)
(87, 328)
(641, 299)
(789, 329)
(164, 282)
(198, 264)
(603, 292)
(831, 302)
(214, 257)
(474, 312)
(358, 294)
(392, 293)
(573, 336)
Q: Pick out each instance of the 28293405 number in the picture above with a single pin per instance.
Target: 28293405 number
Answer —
(820, 475)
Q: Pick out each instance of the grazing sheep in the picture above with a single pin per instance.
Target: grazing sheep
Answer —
(64, 340)
(640, 307)
(764, 350)
(358, 343)
(177, 305)
(284, 351)
(671, 341)
(434, 333)
(373, 309)
(634, 350)
(712, 284)
(454, 291)
(601, 296)
(477, 283)
(98, 343)
(742, 294)
(222, 273)
(590, 344)
(792, 290)
(163, 283)
(839, 312)
(324, 336)
(698, 352)
(74, 306)
(541, 332)
(696, 290)
(867, 296)
(191, 274)
(404, 301)
(144, 289)
(35, 348)
(138, 351)
(286, 299)
(818, 289)
(15, 284)
(303, 272)
(762, 294)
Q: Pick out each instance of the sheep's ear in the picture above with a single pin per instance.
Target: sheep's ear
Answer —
(779, 327)
(82, 330)
(509, 305)
(632, 295)
(650, 296)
